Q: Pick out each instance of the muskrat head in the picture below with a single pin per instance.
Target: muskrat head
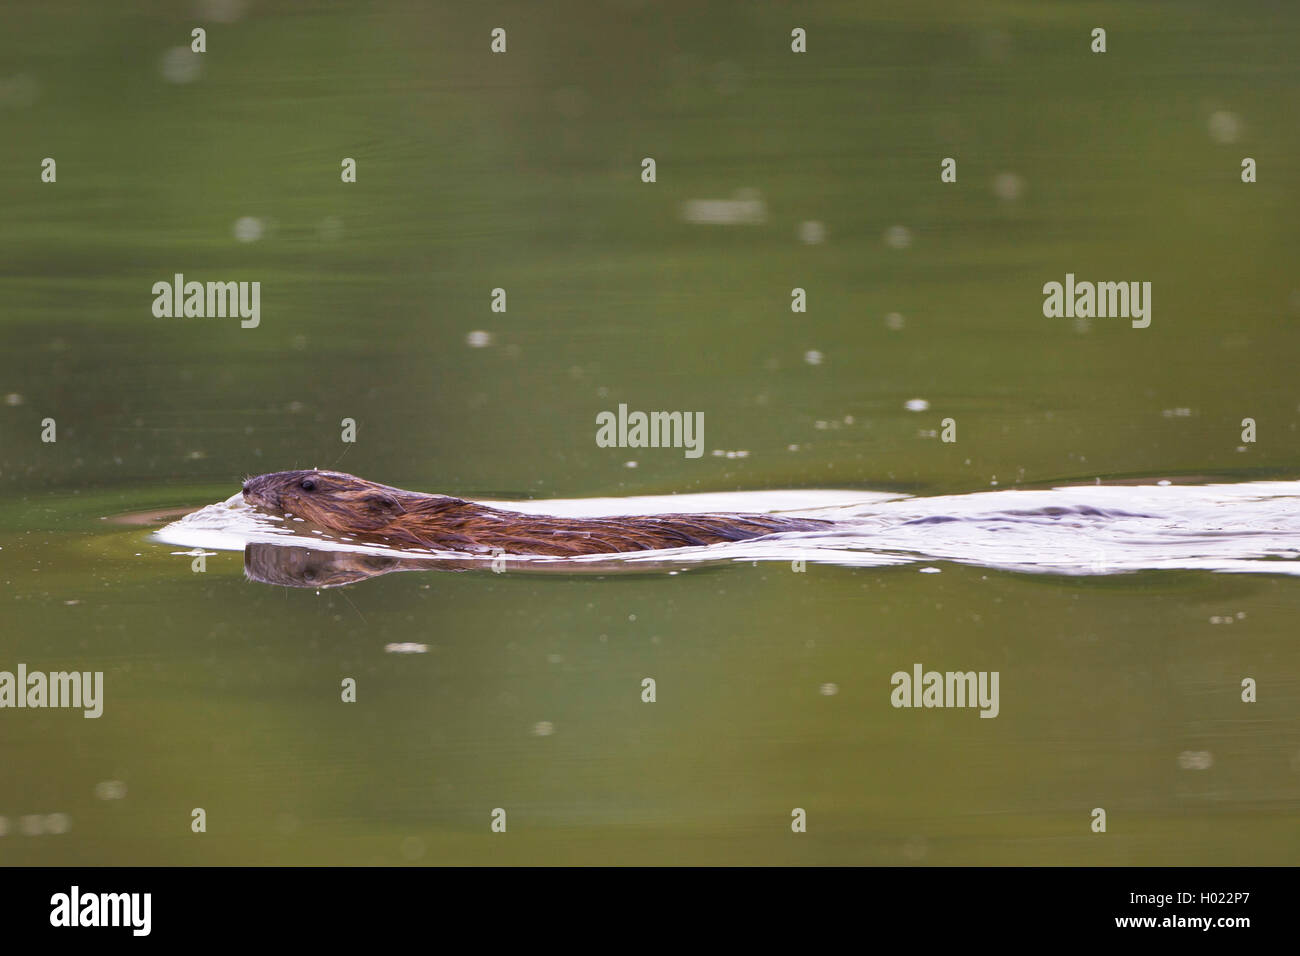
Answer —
(330, 499)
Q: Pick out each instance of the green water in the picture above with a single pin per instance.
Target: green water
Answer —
(522, 171)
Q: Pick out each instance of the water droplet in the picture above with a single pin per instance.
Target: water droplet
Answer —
(812, 232)
(1195, 760)
(1225, 127)
(221, 11)
(110, 790)
(1008, 186)
(249, 229)
(898, 237)
(180, 64)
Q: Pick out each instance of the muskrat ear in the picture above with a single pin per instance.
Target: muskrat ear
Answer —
(383, 502)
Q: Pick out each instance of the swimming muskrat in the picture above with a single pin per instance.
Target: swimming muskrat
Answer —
(350, 505)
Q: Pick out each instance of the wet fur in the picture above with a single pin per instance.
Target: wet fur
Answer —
(349, 505)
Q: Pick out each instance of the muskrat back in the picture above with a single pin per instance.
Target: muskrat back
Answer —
(350, 505)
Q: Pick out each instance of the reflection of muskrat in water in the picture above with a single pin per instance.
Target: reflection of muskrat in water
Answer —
(311, 568)
(350, 505)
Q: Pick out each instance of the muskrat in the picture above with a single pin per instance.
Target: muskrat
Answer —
(350, 505)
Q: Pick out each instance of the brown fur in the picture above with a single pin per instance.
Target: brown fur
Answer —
(353, 506)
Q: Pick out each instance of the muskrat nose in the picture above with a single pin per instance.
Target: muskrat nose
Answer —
(247, 485)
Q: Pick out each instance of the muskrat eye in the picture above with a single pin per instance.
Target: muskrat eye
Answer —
(308, 484)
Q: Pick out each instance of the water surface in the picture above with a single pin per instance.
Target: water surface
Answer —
(1121, 645)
